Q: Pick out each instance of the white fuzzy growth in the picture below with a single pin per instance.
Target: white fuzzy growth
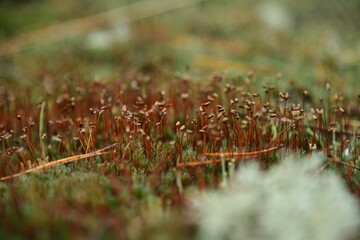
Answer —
(103, 39)
(275, 15)
(289, 202)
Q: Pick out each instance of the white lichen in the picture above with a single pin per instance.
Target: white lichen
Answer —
(290, 201)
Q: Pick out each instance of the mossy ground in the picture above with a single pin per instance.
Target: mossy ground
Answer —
(214, 51)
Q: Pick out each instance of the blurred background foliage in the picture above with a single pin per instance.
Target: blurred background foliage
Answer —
(309, 42)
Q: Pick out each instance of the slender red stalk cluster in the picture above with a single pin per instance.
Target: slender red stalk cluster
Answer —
(183, 120)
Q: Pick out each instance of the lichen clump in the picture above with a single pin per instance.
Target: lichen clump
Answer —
(293, 200)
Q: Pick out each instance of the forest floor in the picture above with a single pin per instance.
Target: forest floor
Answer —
(145, 107)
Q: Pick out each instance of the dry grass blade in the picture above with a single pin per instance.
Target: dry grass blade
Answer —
(61, 161)
(325, 166)
(243, 154)
(233, 156)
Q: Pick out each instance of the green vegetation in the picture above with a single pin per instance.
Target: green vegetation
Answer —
(180, 94)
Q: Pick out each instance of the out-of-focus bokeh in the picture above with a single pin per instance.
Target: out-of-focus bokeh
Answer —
(166, 91)
(309, 42)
